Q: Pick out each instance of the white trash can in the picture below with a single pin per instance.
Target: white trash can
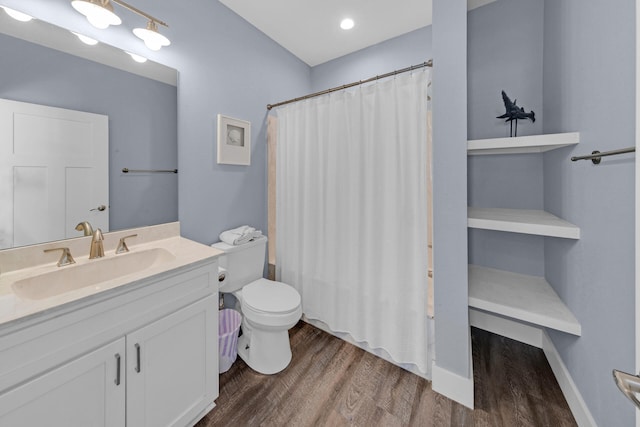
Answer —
(228, 326)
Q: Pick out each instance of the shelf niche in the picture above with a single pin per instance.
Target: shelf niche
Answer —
(526, 221)
(522, 144)
(521, 297)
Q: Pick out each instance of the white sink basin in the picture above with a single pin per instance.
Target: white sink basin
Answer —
(93, 272)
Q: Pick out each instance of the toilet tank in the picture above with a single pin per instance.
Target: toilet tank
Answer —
(244, 263)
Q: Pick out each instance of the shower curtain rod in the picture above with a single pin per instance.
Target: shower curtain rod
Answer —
(429, 63)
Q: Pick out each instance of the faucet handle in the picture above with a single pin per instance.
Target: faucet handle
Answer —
(122, 244)
(65, 257)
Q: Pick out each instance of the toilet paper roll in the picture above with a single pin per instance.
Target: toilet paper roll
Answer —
(222, 275)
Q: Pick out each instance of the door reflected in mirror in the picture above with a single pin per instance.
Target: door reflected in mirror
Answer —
(139, 101)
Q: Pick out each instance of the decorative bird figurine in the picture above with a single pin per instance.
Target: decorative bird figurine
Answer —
(513, 112)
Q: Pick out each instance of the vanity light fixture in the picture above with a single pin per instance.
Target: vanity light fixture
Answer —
(19, 16)
(347, 24)
(86, 40)
(100, 14)
(151, 37)
(137, 58)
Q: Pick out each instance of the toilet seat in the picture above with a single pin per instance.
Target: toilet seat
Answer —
(267, 296)
(270, 303)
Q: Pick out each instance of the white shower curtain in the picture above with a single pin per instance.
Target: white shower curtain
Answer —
(351, 212)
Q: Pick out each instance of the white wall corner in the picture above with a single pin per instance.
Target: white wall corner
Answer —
(571, 393)
(452, 385)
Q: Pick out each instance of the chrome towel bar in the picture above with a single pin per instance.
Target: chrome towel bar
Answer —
(127, 170)
(596, 156)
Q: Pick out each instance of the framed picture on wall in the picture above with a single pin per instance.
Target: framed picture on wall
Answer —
(234, 141)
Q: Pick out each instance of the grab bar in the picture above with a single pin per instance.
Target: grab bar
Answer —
(127, 170)
(596, 156)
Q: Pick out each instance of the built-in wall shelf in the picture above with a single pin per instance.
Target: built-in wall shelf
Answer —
(525, 221)
(522, 144)
(521, 297)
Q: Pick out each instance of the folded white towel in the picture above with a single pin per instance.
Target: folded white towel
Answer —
(240, 235)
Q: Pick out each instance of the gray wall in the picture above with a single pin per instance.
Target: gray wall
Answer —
(589, 86)
(227, 66)
(450, 185)
(505, 52)
(142, 122)
(403, 51)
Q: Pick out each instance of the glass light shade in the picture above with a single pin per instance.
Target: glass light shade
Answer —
(151, 37)
(137, 58)
(98, 12)
(19, 16)
(86, 40)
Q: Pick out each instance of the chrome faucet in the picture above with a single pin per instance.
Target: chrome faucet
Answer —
(96, 250)
(85, 227)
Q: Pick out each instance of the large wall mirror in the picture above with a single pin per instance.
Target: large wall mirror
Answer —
(46, 65)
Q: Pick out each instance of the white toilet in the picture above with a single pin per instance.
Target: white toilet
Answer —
(269, 309)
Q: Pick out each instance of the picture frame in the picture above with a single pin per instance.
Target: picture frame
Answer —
(234, 141)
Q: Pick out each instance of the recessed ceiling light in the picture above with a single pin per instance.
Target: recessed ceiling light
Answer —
(23, 17)
(86, 40)
(347, 24)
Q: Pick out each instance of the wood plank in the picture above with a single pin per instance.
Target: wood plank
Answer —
(333, 383)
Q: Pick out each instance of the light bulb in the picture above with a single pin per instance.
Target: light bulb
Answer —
(152, 45)
(19, 16)
(86, 40)
(137, 58)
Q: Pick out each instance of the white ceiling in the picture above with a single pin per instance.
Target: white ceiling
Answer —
(311, 29)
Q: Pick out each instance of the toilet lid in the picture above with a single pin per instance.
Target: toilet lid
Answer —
(269, 296)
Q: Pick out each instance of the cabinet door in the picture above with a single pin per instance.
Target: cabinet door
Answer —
(87, 391)
(172, 367)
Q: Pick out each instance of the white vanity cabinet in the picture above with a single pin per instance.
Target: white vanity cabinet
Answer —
(169, 369)
(82, 392)
(142, 355)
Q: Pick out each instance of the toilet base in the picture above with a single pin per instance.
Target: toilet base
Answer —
(265, 351)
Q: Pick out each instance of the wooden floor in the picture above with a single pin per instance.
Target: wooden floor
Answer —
(332, 383)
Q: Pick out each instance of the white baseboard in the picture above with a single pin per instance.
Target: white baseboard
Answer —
(571, 393)
(454, 386)
(539, 338)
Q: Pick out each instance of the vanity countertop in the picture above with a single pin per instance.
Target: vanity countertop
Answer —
(26, 262)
